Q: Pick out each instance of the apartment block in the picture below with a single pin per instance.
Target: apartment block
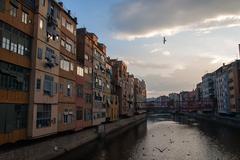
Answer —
(80, 102)
(53, 70)
(234, 86)
(222, 89)
(139, 93)
(16, 38)
(119, 85)
(85, 58)
(111, 99)
(100, 95)
(130, 94)
(227, 88)
(174, 100)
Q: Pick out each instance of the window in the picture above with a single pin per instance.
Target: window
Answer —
(12, 117)
(65, 65)
(88, 98)
(68, 116)
(62, 42)
(24, 17)
(87, 114)
(48, 85)
(6, 43)
(14, 40)
(41, 24)
(13, 11)
(44, 115)
(71, 67)
(90, 70)
(86, 57)
(52, 59)
(68, 47)
(69, 90)
(79, 114)
(42, 2)
(80, 71)
(38, 85)
(80, 90)
(13, 47)
(14, 77)
(39, 53)
(86, 70)
(69, 27)
(20, 49)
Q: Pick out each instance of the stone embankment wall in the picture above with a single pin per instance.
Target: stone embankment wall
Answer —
(54, 147)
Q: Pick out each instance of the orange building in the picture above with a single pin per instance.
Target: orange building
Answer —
(16, 37)
(52, 95)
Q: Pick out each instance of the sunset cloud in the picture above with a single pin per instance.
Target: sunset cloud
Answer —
(144, 19)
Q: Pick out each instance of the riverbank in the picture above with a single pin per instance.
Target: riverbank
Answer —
(57, 146)
(228, 121)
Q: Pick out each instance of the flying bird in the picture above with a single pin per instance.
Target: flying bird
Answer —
(164, 40)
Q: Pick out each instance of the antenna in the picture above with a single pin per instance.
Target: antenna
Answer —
(238, 51)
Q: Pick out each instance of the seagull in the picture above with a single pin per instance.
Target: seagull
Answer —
(164, 40)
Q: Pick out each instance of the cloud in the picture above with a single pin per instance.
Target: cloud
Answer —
(144, 65)
(183, 78)
(147, 18)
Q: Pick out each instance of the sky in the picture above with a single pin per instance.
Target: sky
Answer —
(201, 36)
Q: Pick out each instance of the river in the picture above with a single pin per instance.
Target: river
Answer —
(165, 137)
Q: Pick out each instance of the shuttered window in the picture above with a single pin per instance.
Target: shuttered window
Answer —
(48, 85)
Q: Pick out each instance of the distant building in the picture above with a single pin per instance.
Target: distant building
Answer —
(184, 98)
(227, 88)
(139, 93)
(174, 99)
(130, 94)
(199, 92)
(85, 59)
(222, 89)
(119, 85)
(112, 103)
(234, 86)
(208, 86)
(163, 101)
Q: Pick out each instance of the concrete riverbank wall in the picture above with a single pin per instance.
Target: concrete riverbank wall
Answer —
(228, 121)
(57, 146)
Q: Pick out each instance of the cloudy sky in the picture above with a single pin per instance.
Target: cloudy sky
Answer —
(201, 36)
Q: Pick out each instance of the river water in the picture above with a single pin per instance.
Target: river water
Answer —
(165, 137)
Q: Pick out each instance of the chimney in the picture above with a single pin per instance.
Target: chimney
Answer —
(69, 12)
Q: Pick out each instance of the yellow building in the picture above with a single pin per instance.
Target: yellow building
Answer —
(112, 108)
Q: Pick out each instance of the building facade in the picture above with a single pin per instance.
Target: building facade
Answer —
(234, 86)
(130, 94)
(119, 85)
(100, 90)
(16, 38)
(222, 89)
(85, 57)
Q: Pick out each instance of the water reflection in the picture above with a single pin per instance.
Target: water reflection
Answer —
(165, 137)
